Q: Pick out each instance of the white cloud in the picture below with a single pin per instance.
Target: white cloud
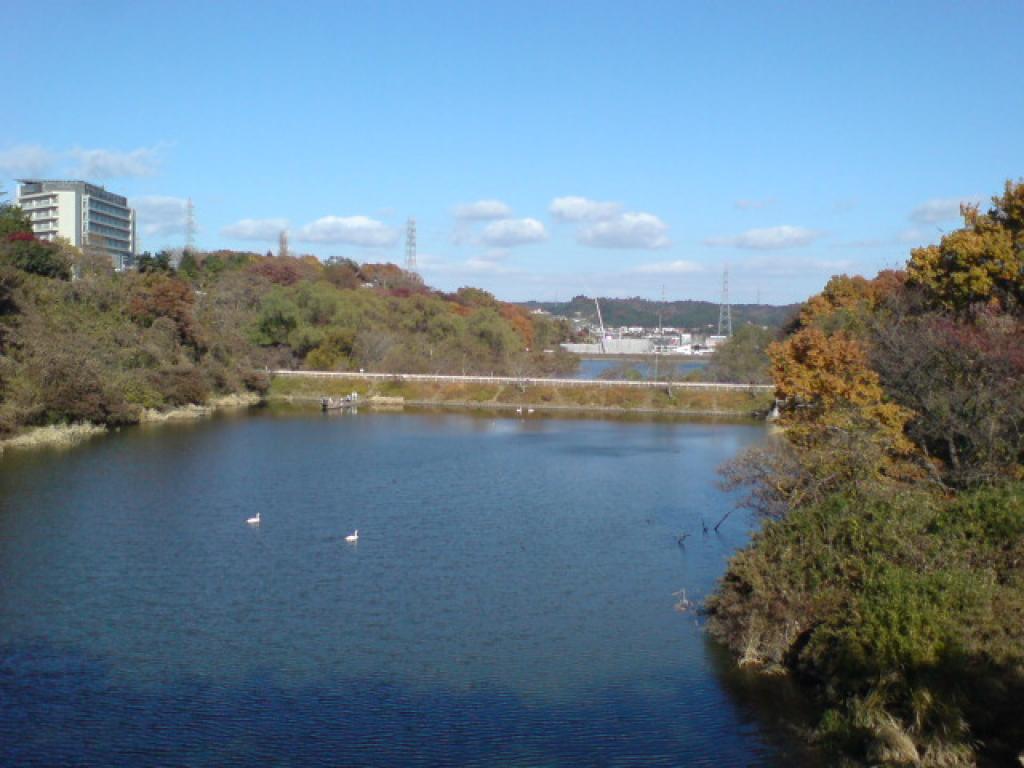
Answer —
(255, 229)
(110, 163)
(476, 266)
(482, 210)
(790, 266)
(509, 232)
(868, 242)
(495, 254)
(573, 208)
(486, 266)
(668, 268)
(26, 160)
(160, 215)
(769, 238)
(753, 205)
(353, 230)
(938, 210)
(627, 230)
(918, 235)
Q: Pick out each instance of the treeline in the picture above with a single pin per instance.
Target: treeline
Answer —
(677, 314)
(79, 342)
(890, 571)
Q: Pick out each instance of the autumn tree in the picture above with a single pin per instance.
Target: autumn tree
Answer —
(965, 384)
(157, 295)
(980, 264)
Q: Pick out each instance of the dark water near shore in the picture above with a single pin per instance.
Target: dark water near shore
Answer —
(509, 602)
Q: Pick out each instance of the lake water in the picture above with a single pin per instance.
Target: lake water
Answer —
(592, 368)
(509, 601)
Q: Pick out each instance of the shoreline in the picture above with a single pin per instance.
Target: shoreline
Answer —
(52, 436)
(520, 395)
(192, 411)
(70, 435)
(397, 403)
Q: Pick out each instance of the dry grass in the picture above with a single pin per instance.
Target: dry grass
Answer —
(58, 436)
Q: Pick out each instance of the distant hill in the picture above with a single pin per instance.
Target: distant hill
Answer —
(678, 314)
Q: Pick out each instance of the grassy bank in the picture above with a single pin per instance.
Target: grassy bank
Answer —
(68, 435)
(243, 400)
(55, 436)
(676, 400)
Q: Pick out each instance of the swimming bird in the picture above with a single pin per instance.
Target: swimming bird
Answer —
(353, 537)
(254, 520)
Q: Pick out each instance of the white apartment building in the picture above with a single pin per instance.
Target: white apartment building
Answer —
(85, 214)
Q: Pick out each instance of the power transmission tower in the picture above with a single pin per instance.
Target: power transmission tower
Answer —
(190, 225)
(410, 244)
(724, 309)
(661, 308)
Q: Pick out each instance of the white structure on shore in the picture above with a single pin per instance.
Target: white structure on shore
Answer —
(86, 215)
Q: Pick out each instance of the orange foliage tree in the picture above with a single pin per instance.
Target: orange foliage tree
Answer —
(980, 264)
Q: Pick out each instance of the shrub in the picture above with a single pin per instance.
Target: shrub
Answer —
(180, 385)
(37, 257)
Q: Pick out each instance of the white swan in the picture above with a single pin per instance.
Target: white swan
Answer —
(353, 537)
(254, 520)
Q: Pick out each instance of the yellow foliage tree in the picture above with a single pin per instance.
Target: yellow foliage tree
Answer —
(846, 303)
(835, 409)
(983, 263)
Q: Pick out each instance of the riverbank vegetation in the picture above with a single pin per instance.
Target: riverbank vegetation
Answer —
(81, 343)
(889, 575)
(668, 400)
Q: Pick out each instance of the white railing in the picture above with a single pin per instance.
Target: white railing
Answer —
(523, 380)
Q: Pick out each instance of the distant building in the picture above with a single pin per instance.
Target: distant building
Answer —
(89, 216)
(612, 347)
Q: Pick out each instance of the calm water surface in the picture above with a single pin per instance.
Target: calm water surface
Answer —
(509, 602)
(592, 368)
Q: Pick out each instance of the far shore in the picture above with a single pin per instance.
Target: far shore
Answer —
(526, 407)
(527, 394)
(392, 396)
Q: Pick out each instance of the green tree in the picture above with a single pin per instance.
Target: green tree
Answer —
(743, 358)
(148, 262)
(188, 267)
(13, 220)
(38, 257)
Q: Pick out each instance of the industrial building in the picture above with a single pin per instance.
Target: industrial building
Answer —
(88, 216)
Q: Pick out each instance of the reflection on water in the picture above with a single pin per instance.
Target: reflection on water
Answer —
(510, 598)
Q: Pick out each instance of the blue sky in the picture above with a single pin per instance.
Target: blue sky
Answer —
(545, 148)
